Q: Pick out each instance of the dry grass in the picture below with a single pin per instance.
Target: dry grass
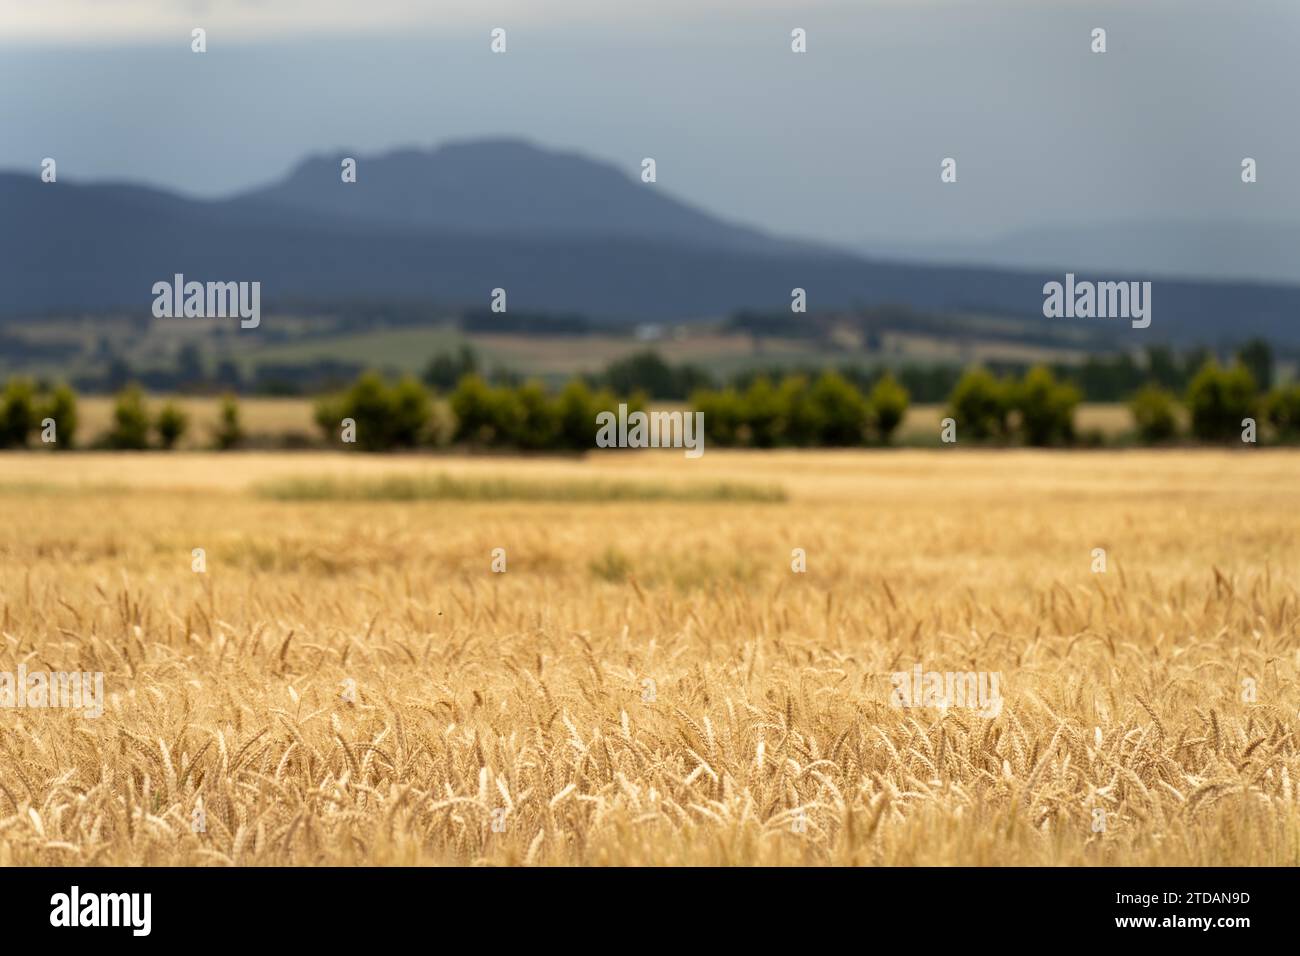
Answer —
(261, 417)
(525, 692)
(923, 422)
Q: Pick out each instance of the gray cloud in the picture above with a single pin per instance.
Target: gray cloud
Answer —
(843, 143)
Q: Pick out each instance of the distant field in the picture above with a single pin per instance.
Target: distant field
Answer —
(562, 356)
(406, 350)
(75, 346)
(275, 417)
(557, 356)
(648, 680)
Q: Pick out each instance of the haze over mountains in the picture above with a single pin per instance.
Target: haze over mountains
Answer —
(558, 231)
(1221, 250)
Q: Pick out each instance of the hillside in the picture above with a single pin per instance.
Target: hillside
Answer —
(557, 231)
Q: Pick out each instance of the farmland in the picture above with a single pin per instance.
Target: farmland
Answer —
(348, 680)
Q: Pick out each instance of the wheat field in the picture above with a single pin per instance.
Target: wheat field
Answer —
(349, 681)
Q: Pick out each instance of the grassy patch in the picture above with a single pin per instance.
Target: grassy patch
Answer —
(612, 565)
(67, 490)
(446, 488)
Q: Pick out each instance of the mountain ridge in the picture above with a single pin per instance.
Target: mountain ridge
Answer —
(503, 186)
(594, 240)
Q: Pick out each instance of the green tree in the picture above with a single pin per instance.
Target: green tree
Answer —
(646, 371)
(507, 415)
(576, 416)
(800, 415)
(762, 414)
(842, 411)
(1282, 408)
(328, 415)
(1154, 413)
(130, 428)
(228, 433)
(1046, 407)
(171, 424)
(474, 405)
(980, 404)
(724, 415)
(367, 403)
(1219, 399)
(60, 404)
(384, 417)
(446, 369)
(17, 413)
(888, 401)
(409, 410)
(538, 426)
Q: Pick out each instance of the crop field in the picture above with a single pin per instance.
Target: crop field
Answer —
(623, 659)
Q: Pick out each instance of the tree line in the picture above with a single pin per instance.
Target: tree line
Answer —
(797, 410)
(47, 415)
(1219, 404)
(1099, 378)
(828, 409)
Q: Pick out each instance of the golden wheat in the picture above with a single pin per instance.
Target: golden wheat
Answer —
(649, 682)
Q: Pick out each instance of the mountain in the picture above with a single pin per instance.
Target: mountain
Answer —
(1222, 250)
(558, 232)
(504, 187)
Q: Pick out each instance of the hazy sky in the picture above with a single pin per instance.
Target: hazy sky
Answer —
(841, 143)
